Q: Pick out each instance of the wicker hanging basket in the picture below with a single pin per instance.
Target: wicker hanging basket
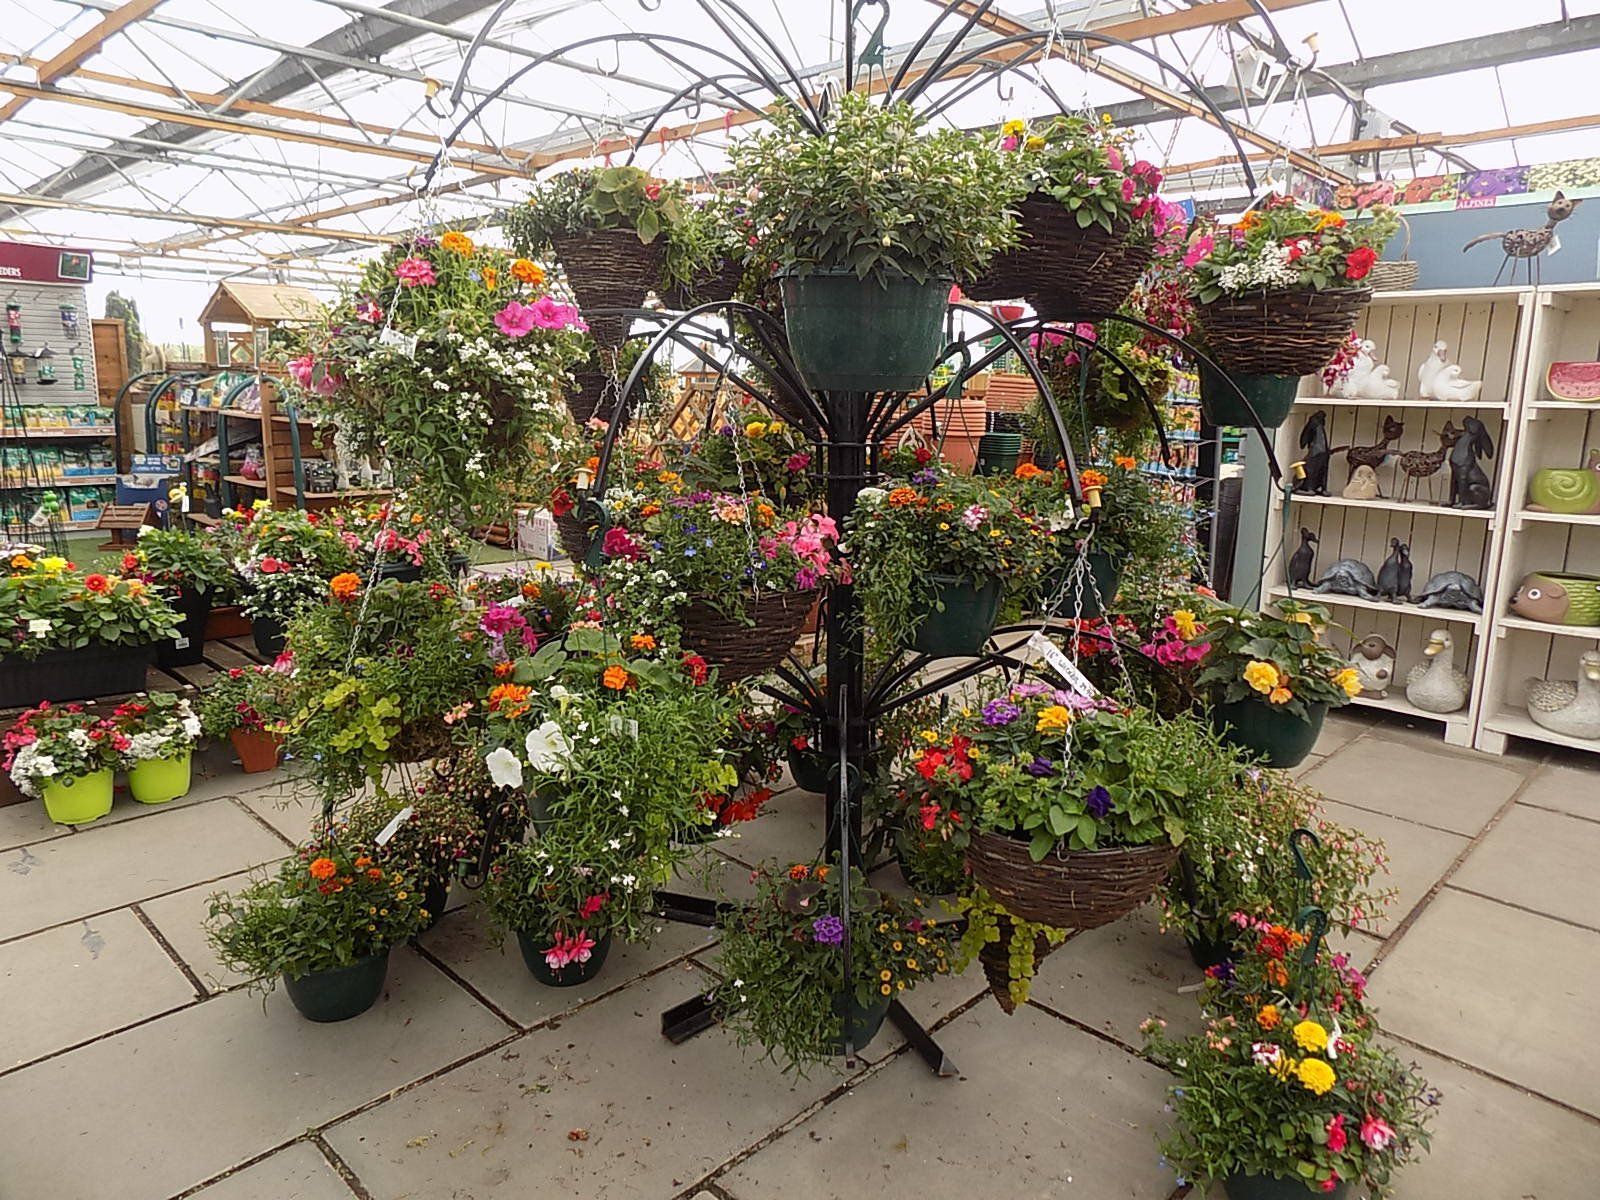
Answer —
(1060, 267)
(720, 284)
(574, 536)
(422, 740)
(739, 649)
(1400, 276)
(609, 268)
(595, 396)
(1291, 331)
(995, 959)
(1082, 889)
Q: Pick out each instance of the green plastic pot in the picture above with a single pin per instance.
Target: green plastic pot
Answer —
(1272, 396)
(533, 946)
(1276, 1187)
(998, 453)
(956, 616)
(341, 993)
(1103, 569)
(864, 335)
(158, 780)
(1276, 736)
(79, 799)
(861, 1022)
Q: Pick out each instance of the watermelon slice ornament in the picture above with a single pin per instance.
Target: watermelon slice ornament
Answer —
(1574, 381)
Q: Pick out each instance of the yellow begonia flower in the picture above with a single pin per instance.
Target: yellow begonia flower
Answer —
(755, 429)
(1309, 1035)
(53, 564)
(1316, 1076)
(1349, 681)
(1184, 620)
(1280, 695)
(1053, 719)
(1262, 676)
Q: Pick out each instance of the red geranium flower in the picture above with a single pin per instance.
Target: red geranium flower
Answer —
(1359, 261)
(97, 582)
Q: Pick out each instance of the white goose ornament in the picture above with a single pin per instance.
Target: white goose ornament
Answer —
(1568, 707)
(1436, 686)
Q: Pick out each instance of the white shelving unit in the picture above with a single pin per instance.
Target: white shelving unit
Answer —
(1488, 332)
(1565, 327)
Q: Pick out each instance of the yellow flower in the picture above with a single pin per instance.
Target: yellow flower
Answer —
(1309, 1035)
(53, 564)
(1013, 128)
(943, 525)
(1349, 681)
(928, 736)
(458, 243)
(1262, 676)
(897, 945)
(1316, 1076)
(1280, 695)
(491, 278)
(885, 976)
(755, 429)
(885, 989)
(912, 963)
(775, 426)
(1283, 1068)
(1301, 618)
(1184, 620)
(1035, 142)
(1053, 719)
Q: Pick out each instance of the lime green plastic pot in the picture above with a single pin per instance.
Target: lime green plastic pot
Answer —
(1276, 736)
(957, 616)
(341, 993)
(158, 780)
(79, 799)
(1272, 396)
(864, 335)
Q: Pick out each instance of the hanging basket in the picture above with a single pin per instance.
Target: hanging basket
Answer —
(1271, 398)
(719, 285)
(422, 740)
(1277, 737)
(1398, 276)
(609, 268)
(595, 396)
(1102, 579)
(1081, 889)
(1009, 276)
(738, 649)
(848, 334)
(1291, 331)
(956, 615)
(995, 958)
(1077, 268)
(574, 536)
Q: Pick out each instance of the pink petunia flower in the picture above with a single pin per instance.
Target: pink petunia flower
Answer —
(1114, 157)
(368, 311)
(1201, 249)
(1128, 190)
(416, 272)
(549, 313)
(515, 320)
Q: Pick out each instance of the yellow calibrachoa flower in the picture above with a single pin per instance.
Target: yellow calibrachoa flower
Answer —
(1013, 128)
(53, 564)
(1316, 1076)
(1053, 719)
(1309, 1035)
(755, 429)
(1349, 681)
(1184, 620)
(1262, 676)
(928, 736)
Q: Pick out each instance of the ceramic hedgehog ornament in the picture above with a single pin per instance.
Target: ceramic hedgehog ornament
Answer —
(1566, 706)
(1558, 599)
(1435, 685)
(1373, 659)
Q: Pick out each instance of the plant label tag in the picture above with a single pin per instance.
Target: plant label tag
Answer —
(39, 519)
(1064, 519)
(180, 642)
(393, 827)
(619, 726)
(395, 340)
(1063, 666)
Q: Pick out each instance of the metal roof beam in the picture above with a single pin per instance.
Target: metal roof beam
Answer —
(239, 223)
(84, 46)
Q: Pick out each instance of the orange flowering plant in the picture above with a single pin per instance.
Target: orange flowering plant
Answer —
(1277, 660)
(47, 603)
(330, 905)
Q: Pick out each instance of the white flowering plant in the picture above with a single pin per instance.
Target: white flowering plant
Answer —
(155, 725)
(449, 359)
(56, 742)
(285, 559)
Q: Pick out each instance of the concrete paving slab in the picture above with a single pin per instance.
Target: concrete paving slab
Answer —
(789, 829)
(1565, 789)
(76, 982)
(1449, 791)
(464, 942)
(1418, 856)
(1505, 990)
(602, 1108)
(1341, 728)
(219, 1083)
(179, 917)
(203, 789)
(26, 823)
(1541, 860)
(1045, 1108)
(284, 805)
(297, 1173)
(105, 868)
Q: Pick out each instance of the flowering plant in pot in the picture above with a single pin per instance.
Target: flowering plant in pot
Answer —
(160, 729)
(783, 957)
(285, 557)
(250, 706)
(439, 836)
(399, 541)
(1288, 1090)
(1274, 679)
(324, 922)
(193, 573)
(66, 634)
(64, 756)
(869, 223)
(446, 358)
(548, 603)
(708, 255)
(751, 452)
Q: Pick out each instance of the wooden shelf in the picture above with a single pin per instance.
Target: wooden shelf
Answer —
(352, 494)
(1558, 518)
(79, 481)
(1452, 295)
(1381, 606)
(1396, 702)
(243, 413)
(1548, 405)
(1588, 633)
(1433, 510)
(241, 481)
(50, 435)
(1442, 405)
(1520, 724)
(200, 518)
(284, 420)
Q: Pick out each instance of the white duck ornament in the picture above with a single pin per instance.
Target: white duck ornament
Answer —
(1436, 686)
(1368, 378)
(1439, 380)
(1568, 707)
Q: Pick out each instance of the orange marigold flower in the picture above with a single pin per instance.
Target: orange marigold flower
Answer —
(323, 868)
(374, 872)
(491, 278)
(650, 509)
(820, 873)
(765, 515)
(1268, 1017)
(903, 496)
(616, 678)
(642, 641)
(504, 695)
(344, 585)
(799, 871)
(1029, 470)
(531, 591)
(525, 271)
(1126, 461)
(362, 863)
(458, 243)
(1092, 478)
(503, 669)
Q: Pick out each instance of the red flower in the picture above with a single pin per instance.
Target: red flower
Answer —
(592, 905)
(1297, 249)
(696, 668)
(130, 562)
(561, 503)
(1359, 261)
(270, 566)
(930, 815)
(924, 456)
(97, 583)
(652, 191)
(930, 762)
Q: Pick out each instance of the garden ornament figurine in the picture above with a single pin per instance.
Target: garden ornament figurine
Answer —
(1438, 380)
(1369, 379)
(1469, 486)
(1418, 465)
(1527, 244)
(1373, 659)
(1566, 706)
(1376, 455)
(1567, 489)
(1363, 485)
(1451, 589)
(1303, 560)
(1394, 577)
(1314, 441)
(1435, 685)
(1348, 577)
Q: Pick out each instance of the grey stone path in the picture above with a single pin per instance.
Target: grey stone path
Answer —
(133, 1068)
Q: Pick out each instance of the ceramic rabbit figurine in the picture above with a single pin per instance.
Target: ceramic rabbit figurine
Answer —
(1438, 380)
(1369, 379)
(1435, 685)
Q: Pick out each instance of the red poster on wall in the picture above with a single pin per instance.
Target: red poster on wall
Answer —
(45, 264)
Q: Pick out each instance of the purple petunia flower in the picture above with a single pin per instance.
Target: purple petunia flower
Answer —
(1098, 802)
(1040, 768)
(1000, 712)
(828, 930)
(925, 476)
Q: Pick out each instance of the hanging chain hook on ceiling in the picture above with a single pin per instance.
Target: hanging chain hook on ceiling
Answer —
(648, 7)
(1005, 89)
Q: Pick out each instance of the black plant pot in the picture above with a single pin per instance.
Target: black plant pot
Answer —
(861, 1024)
(95, 670)
(435, 895)
(403, 571)
(342, 993)
(1207, 952)
(269, 635)
(533, 947)
(189, 646)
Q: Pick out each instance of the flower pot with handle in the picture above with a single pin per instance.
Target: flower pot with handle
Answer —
(1277, 1187)
(1102, 579)
(185, 650)
(848, 334)
(809, 769)
(1277, 737)
(957, 616)
(257, 750)
(79, 799)
(533, 947)
(158, 780)
(341, 993)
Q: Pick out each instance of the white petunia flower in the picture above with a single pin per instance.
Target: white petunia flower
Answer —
(549, 750)
(505, 768)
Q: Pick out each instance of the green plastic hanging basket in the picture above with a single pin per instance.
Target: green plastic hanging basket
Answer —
(1104, 577)
(1276, 1187)
(1276, 736)
(848, 334)
(956, 616)
(1272, 396)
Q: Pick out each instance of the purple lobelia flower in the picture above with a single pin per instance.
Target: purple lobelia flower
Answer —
(1098, 802)
(1000, 712)
(828, 930)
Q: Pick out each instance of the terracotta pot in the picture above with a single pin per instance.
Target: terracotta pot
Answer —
(962, 422)
(257, 751)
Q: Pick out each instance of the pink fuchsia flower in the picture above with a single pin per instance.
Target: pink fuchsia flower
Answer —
(301, 369)
(367, 310)
(593, 905)
(1338, 1139)
(1199, 249)
(551, 314)
(416, 272)
(1376, 1134)
(515, 320)
(576, 948)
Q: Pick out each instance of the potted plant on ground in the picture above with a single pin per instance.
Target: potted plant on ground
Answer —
(194, 574)
(287, 556)
(1289, 1091)
(783, 957)
(1274, 679)
(324, 923)
(869, 224)
(66, 635)
(160, 731)
(249, 706)
(439, 835)
(66, 757)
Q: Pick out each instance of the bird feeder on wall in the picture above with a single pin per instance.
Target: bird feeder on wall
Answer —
(69, 321)
(17, 362)
(46, 374)
(14, 323)
(78, 377)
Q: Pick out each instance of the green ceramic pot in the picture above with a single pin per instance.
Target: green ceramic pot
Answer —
(1276, 1187)
(341, 993)
(1272, 396)
(533, 947)
(79, 799)
(1275, 736)
(848, 334)
(158, 780)
(956, 616)
(861, 1024)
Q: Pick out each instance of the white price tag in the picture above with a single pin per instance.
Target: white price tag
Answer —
(1063, 666)
(395, 340)
(619, 726)
(393, 827)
